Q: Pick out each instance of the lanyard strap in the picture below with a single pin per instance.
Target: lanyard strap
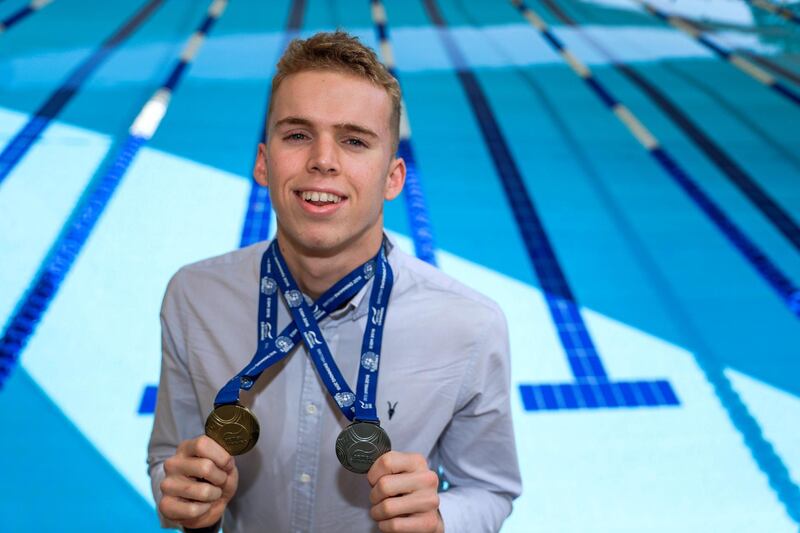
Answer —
(306, 322)
(272, 349)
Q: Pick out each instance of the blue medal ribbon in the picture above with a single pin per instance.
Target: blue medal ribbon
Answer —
(271, 349)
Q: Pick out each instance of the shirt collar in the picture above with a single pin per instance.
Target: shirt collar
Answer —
(358, 305)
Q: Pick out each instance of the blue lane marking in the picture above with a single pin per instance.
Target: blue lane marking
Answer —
(788, 292)
(48, 279)
(29, 311)
(30, 133)
(148, 404)
(416, 206)
(592, 388)
(256, 220)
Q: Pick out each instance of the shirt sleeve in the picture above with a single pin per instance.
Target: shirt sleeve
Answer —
(177, 415)
(477, 450)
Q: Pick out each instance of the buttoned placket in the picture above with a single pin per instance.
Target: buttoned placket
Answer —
(309, 431)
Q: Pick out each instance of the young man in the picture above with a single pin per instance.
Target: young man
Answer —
(443, 393)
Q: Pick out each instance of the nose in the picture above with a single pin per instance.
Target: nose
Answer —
(323, 158)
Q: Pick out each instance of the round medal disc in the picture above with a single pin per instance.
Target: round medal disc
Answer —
(360, 444)
(234, 427)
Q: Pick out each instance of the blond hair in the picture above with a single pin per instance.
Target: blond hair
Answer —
(340, 52)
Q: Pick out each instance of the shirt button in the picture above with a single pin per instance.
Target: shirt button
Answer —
(305, 478)
(311, 409)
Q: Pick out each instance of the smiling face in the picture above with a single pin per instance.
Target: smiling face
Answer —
(329, 164)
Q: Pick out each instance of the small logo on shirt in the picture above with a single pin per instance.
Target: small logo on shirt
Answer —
(391, 409)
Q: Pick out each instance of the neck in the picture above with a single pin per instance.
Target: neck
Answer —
(316, 271)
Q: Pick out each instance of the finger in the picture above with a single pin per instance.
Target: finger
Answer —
(395, 463)
(204, 469)
(416, 524)
(189, 489)
(204, 446)
(415, 503)
(178, 509)
(397, 484)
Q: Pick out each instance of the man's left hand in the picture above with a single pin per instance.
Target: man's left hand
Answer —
(404, 494)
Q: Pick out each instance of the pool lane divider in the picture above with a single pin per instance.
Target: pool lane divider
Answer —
(782, 220)
(763, 453)
(29, 311)
(775, 9)
(22, 13)
(781, 284)
(30, 133)
(774, 67)
(413, 192)
(592, 388)
(257, 218)
(739, 61)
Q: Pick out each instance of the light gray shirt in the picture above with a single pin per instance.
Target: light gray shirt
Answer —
(444, 376)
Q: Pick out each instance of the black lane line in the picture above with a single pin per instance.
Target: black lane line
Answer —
(41, 119)
(782, 220)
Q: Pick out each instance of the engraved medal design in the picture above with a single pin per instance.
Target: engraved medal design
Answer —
(234, 427)
(360, 444)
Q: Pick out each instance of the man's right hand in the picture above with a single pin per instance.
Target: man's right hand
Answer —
(201, 478)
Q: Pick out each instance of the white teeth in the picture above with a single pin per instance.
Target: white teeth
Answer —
(314, 196)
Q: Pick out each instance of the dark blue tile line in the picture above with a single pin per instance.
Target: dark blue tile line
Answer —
(735, 173)
(788, 292)
(47, 281)
(256, 219)
(147, 406)
(722, 52)
(413, 192)
(18, 16)
(603, 395)
(760, 449)
(63, 253)
(30, 133)
(416, 206)
(584, 361)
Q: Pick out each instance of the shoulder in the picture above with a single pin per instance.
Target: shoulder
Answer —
(428, 287)
(218, 273)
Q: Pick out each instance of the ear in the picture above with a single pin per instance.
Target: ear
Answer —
(395, 179)
(260, 166)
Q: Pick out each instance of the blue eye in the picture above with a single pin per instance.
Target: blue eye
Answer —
(353, 141)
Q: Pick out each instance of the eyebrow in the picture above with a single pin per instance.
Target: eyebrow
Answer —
(345, 126)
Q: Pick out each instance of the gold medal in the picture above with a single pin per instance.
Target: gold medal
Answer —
(234, 427)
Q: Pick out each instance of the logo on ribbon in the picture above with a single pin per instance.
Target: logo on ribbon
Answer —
(345, 399)
(284, 344)
(268, 285)
(377, 316)
(266, 330)
(293, 298)
(369, 361)
(311, 339)
(369, 269)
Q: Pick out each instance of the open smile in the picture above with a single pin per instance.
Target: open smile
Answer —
(320, 202)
